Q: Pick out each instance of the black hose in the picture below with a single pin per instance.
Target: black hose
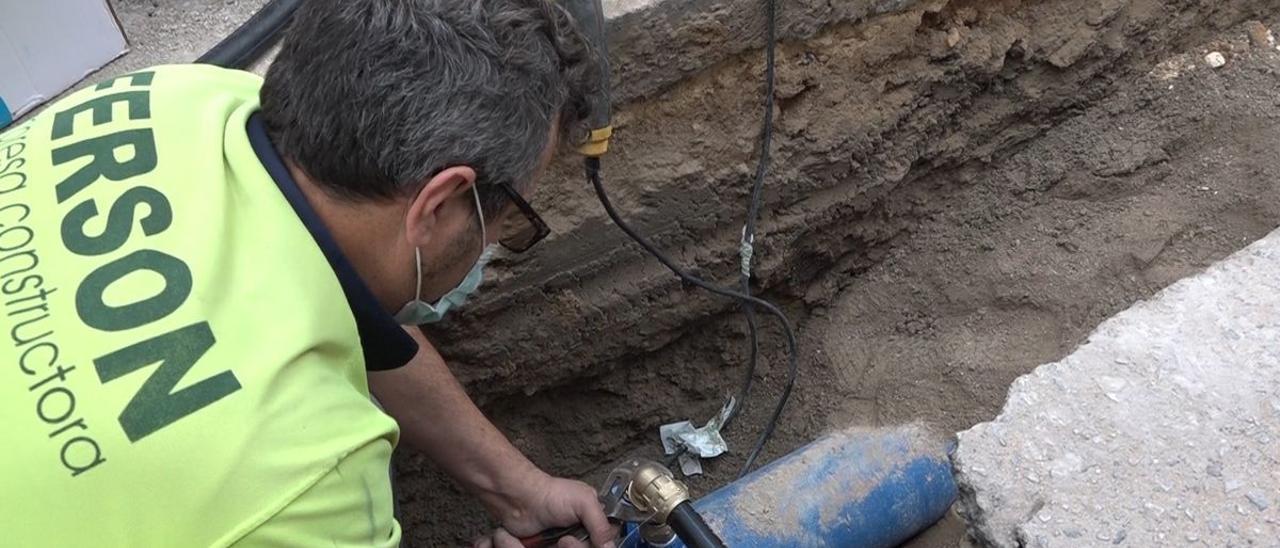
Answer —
(249, 42)
(691, 529)
(592, 168)
(749, 230)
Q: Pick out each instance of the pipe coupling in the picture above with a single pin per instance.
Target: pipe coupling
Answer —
(654, 489)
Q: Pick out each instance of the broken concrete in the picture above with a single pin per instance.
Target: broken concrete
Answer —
(1162, 429)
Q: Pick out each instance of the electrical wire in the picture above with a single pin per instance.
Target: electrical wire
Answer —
(753, 213)
(592, 167)
(748, 303)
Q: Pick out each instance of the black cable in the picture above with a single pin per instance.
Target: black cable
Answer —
(252, 39)
(592, 166)
(753, 213)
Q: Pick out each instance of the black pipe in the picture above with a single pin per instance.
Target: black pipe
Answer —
(249, 42)
(691, 529)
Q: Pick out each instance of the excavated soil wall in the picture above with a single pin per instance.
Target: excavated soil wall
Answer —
(580, 349)
(864, 106)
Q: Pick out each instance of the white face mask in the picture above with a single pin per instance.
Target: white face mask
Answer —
(418, 312)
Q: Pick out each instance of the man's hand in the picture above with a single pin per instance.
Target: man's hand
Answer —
(548, 503)
(437, 418)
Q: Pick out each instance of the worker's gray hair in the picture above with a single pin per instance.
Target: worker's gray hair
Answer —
(371, 98)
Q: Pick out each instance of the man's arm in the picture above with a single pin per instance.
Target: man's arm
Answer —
(437, 418)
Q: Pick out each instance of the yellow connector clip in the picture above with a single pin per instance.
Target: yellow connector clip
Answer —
(597, 142)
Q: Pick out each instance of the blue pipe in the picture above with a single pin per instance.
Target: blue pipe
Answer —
(858, 487)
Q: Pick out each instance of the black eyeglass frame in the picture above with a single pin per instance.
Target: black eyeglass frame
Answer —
(541, 230)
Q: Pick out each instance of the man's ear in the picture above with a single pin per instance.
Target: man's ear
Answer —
(424, 212)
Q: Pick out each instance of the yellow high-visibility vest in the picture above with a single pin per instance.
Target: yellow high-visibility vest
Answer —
(181, 357)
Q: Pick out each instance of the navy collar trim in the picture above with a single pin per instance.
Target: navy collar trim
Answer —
(386, 345)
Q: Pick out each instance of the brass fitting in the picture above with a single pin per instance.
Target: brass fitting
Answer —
(654, 489)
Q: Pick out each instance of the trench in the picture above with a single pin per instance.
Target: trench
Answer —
(961, 191)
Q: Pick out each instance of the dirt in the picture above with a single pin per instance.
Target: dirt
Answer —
(1021, 259)
(962, 192)
(864, 110)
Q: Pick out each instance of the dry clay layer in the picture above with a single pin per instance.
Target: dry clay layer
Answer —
(863, 108)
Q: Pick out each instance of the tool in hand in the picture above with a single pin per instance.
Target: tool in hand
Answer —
(613, 495)
(648, 495)
(551, 537)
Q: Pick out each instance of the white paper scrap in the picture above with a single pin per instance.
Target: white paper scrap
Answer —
(699, 443)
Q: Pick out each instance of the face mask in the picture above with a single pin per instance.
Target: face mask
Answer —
(418, 312)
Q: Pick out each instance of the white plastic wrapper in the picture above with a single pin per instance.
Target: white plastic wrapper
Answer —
(700, 443)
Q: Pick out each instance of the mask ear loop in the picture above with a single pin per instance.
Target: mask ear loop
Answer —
(484, 237)
(417, 251)
(417, 262)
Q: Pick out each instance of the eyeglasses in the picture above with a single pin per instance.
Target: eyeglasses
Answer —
(521, 232)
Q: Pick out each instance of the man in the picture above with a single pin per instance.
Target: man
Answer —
(198, 268)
